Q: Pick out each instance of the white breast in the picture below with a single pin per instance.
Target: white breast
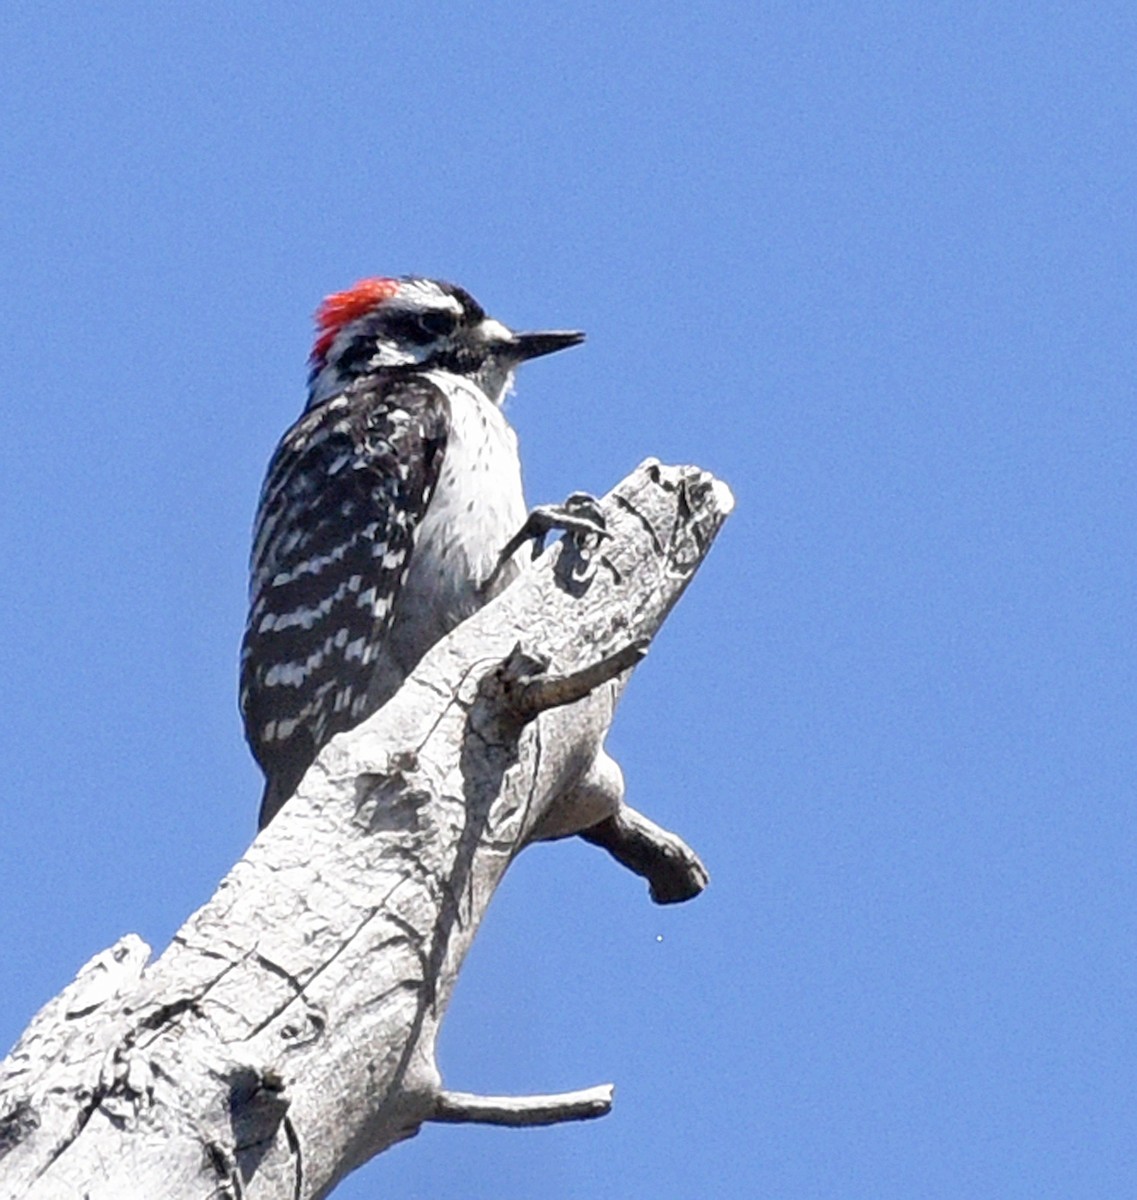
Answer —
(476, 508)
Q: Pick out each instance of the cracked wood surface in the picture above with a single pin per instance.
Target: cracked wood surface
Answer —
(287, 1034)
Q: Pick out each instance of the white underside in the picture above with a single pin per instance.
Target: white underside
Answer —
(477, 506)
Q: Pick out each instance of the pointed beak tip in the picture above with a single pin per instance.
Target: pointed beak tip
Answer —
(535, 345)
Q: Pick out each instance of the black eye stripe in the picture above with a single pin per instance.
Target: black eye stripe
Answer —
(419, 328)
(438, 323)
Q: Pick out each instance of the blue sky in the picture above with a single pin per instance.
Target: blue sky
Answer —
(874, 265)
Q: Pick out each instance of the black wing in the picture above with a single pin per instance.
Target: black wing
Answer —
(335, 527)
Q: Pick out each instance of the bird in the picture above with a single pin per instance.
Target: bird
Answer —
(389, 513)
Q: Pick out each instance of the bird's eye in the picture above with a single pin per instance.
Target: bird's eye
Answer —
(417, 328)
(438, 322)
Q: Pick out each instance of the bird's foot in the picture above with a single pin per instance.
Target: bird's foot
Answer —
(581, 517)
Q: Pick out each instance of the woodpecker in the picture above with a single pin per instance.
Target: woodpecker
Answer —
(384, 514)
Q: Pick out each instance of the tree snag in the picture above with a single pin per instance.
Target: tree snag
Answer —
(287, 1033)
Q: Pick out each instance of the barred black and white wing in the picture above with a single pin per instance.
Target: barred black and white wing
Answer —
(345, 493)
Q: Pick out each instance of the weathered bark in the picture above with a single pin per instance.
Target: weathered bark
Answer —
(287, 1034)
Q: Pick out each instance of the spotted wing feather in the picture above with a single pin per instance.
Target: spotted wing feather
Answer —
(344, 495)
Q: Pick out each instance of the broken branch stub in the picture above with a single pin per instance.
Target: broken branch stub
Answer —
(287, 1034)
(529, 690)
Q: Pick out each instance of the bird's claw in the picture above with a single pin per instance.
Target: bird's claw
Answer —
(581, 517)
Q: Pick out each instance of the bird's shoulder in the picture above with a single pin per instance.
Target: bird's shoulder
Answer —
(381, 419)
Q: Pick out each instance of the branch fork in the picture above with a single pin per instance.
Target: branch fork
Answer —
(529, 690)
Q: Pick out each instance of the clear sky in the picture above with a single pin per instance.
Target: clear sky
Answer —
(873, 264)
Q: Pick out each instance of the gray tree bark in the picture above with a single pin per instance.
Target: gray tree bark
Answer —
(287, 1034)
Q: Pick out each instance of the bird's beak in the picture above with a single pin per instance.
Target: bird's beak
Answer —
(534, 345)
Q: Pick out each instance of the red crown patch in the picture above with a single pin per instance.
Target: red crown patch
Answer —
(341, 308)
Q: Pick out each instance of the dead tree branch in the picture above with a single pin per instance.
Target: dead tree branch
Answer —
(287, 1034)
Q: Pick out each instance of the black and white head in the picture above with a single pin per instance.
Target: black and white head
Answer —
(418, 324)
